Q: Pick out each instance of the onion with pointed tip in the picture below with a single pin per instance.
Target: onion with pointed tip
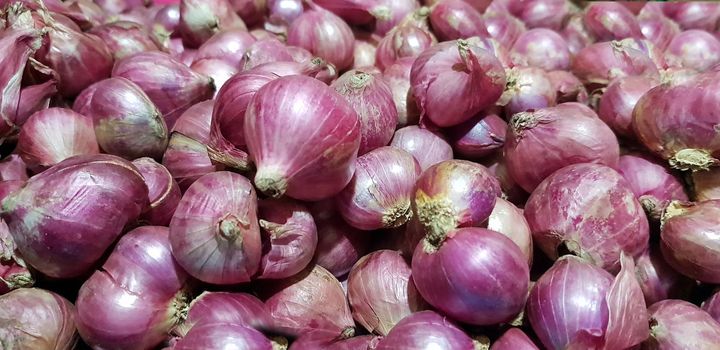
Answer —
(37, 319)
(324, 34)
(608, 20)
(398, 78)
(677, 324)
(223, 307)
(425, 330)
(653, 184)
(124, 38)
(201, 19)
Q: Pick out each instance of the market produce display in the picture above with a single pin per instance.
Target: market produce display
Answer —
(359, 175)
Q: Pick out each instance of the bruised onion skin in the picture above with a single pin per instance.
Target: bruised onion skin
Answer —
(527, 89)
(539, 143)
(653, 184)
(514, 339)
(603, 62)
(425, 330)
(456, 19)
(541, 48)
(452, 81)
(658, 280)
(55, 134)
(163, 191)
(677, 324)
(214, 232)
(508, 219)
(319, 160)
(619, 100)
(124, 38)
(469, 257)
(94, 197)
(34, 318)
(405, 40)
(608, 20)
(694, 49)
(590, 210)
(223, 307)
(689, 239)
(223, 336)
(140, 290)
(200, 19)
(339, 244)
(398, 78)
(289, 238)
(324, 34)
(228, 45)
(479, 136)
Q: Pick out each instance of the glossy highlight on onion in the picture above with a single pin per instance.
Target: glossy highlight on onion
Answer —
(542, 48)
(678, 324)
(456, 19)
(653, 184)
(223, 307)
(425, 330)
(324, 34)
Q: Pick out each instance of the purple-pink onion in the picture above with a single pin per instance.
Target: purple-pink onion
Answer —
(201, 19)
(693, 14)
(251, 11)
(503, 27)
(406, 40)
(508, 219)
(216, 69)
(223, 336)
(527, 89)
(265, 51)
(223, 307)
(706, 184)
(658, 280)
(425, 330)
(13, 167)
(542, 48)
(340, 245)
(324, 34)
(228, 45)
(390, 13)
(14, 272)
(603, 62)
(397, 76)
(576, 34)
(313, 341)
(541, 13)
(34, 318)
(364, 51)
(514, 339)
(608, 20)
(694, 49)
(163, 192)
(569, 88)
(281, 13)
(619, 99)
(712, 306)
(657, 28)
(653, 184)
(456, 19)
(124, 38)
(478, 137)
(678, 324)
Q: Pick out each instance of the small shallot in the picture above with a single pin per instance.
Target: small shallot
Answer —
(34, 318)
(479, 136)
(678, 324)
(542, 48)
(456, 19)
(694, 49)
(163, 192)
(324, 34)
(619, 100)
(201, 19)
(652, 182)
(425, 330)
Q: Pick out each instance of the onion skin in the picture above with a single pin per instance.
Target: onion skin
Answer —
(427, 147)
(619, 100)
(214, 232)
(569, 88)
(222, 307)
(265, 51)
(658, 280)
(355, 12)
(694, 49)
(527, 89)
(603, 62)
(228, 45)
(398, 78)
(677, 324)
(289, 238)
(223, 336)
(705, 185)
(163, 192)
(218, 70)
(503, 27)
(693, 15)
(142, 289)
(507, 219)
(456, 19)
(313, 341)
(390, 13)
(14, 273)
(576, 34)
(94, 215)
(7, 187)
(541, 142)
(689, 241)
(597, 219)
(611, 21)
(324, 34)
(479, 136)
(124, 38)
(448, 96)
(657, 28)
(370, 96)
(542, 13)
(514, 339)
(381, 291)
(168, 17)
(34, 318)
(13, 168)
(281, 13)
(298, 168)
(251, 11)
(312, 301)
(407, 40)
(339, 244)
(33, 99)
(55, 134)
(712, 306)
(425, 330)
(201, 19)
(364, 52)
(541, 48)
(653, 184)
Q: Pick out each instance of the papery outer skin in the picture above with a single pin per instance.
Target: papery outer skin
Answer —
(13, 168)
(64, 243)
(214, 233)
(7, 187)
(507, 219)
(390, 13)
(407, 40)
(289, 236)
(454, 193)
(590, 209)
(251, 11)
(479, 136)
(425, 330)
(310, 301)
(568, 86)
(319, 159)
(568, 304)
(658, 280)
(381, 291)
(712, 306)
(448, 96)
(653, 184)
(281, 13)
(427, 147)
(577, 34)
(503, 27)
(223, 336)
(541, 48)
(33, 99)
(398, 78)
(14, 273)
(695, 49)
(677, 324)
(37, 319)
(379, 194)
(228, 45)
(693, 15)
(312, 341)
(201, 19)
(603, 62)
(355, 12)
(124, 38)
(364, 51)
(541, 142)
(172, 86)
(541, 13)
(657, 28)
(53, 135)
(339, 244)
(140, 289)
(265, 51)
(706, 185)
(370, 96)
(127, 123)
(611, 21)
(527, 89)
(456, 19)
(163, 191)
(689, 239)
(514, 339)
(619, 100)
(223, 307)
(627, 312)
(218, 70)
(324, 34)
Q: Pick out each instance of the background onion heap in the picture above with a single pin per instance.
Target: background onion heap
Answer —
(359, 175)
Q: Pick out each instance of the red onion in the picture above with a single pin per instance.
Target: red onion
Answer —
(126, 121)
(201, 19)
(653, 184)
(390, 13)
(542, 13)
(689, 240)
(511, 190)
(541, 142)
(705, 185)
(677, 324)
(223, 336)
(607, 20)
(265, 51)
(619, 99)
(509, 220)
(281, 13)
(397, 77)
(310, 301)
(597, 219)
(657, 28)
(456, 19)
(222, 307)
(93, 198)
(427, 147)
(228, 45)
(218, 70)
(364, 52)
(214, 233)
(479, 136)
(7, 187)
(172, 86)
(186, 56)
(124, 38)
(324, 34)
(370, 96)
(13, 168)
(603, 62)
(542, 48)
(33, 99)
(447, 77)
(408, 40)
(712, 306)
(527, 89)
(319, 161)
(137, 297)
(313, 341)
(693, 15)
(695, 49)
(55, 134)
(356, 12)
(251, 11)
(576, 34)
(685, 136)
(569, 87)
(658, 280)
(168, 17)
(514, 339)
(503, 27)
(34, 318)
(339, 244)
(425, 330)
(163, 192)
(289, 238)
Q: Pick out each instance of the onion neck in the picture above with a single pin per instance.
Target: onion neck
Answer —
(276, 230)
(20, 280)
(397, 215)
(279, 343)
(360, 80)
(271, 182)
(180, 306)
(673, 209)
(692, 159)
(347, 333)
(437, 217)
(523, 121)
(573, 248)
(481, 342)
(231, 228)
